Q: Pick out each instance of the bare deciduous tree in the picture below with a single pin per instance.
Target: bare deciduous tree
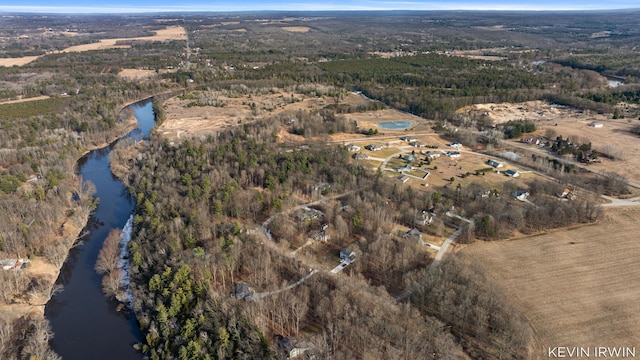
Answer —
(110, 253)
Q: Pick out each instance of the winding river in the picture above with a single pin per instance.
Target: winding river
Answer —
(85, 323)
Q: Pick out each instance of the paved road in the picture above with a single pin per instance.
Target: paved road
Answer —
(258, 296)
(563, 159)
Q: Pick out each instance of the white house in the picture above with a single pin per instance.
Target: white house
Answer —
(456, 145)
(596, 125)
(430, 154)
(373, 147)
(512, 173)
(453, 154)
(424, 218)
(353, 147)
(495, 164)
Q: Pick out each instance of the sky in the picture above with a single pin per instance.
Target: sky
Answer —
(142, 6)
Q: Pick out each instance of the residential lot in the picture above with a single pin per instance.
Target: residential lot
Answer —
(613, 137)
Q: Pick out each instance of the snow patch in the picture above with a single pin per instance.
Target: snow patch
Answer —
(124, 263)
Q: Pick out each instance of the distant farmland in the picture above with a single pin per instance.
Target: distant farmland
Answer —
(578, 287)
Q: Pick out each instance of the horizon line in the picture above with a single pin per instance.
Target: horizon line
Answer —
(74, 10)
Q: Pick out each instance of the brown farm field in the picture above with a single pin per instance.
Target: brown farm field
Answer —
(298, 29)
(614, 137)
(169, 33)
(578, 287)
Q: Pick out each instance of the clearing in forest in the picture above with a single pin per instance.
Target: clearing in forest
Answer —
(298, 29)
(578, 287)
(169, 33)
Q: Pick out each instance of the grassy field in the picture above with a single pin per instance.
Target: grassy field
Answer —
(578, 287)
(27, 109)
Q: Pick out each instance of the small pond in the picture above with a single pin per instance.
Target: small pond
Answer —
(395, 125)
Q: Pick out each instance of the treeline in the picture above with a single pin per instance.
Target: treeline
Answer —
(26, 338)
(617, 63)
(613, 97)
(461, 294)
(45, 204)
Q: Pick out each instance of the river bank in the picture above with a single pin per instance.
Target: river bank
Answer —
(36, 283)
(81, 307)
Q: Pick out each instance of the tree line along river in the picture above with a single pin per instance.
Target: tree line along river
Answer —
(86, 324)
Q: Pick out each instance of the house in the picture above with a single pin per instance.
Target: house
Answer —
(531, 141)
(403, 168)
(512, 173)
(403, 178)
(419, 144)
(453, 154)
(242, 291)
(408, 138)
(521, 195)
(430, 154)
(424, 218)
(495, 164)
(347, 255)
(373, 147)
(410, 158)
(294, 349)
(456, 145)
(353, 148)
(309, 214)
(568, 194)
(413, 234)
(596, 125)
(14, 264)
(361, 156)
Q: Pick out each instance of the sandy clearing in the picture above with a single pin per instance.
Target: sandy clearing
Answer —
(198, 120)
(41, 97)
(133, 74)
(17, 61)
(169, 33)
(297, 29)
(370, 119)
(478, 55)
(578, 287)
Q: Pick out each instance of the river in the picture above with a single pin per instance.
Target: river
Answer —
(85, 323)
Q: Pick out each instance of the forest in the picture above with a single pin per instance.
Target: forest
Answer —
(198, 201)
